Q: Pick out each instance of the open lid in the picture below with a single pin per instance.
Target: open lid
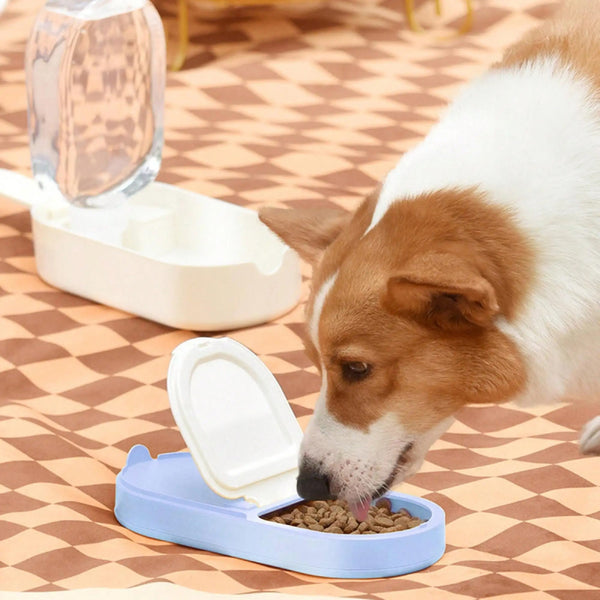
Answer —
(235, 420)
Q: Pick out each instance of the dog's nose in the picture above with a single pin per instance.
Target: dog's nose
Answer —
(311, 483)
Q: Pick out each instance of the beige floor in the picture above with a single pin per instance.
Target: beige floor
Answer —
(148, 591)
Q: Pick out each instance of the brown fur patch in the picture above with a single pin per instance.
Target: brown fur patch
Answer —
(573, 34)
(444, 290)
(311, 232)
(422, 372)
(334, 255)
(347, 239)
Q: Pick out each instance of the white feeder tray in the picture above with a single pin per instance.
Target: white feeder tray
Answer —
(168, 255)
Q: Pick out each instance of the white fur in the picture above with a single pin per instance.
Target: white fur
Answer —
(529, 137)
(359, 462)
(320, 296)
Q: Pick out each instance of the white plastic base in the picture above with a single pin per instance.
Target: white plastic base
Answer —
(178, 258)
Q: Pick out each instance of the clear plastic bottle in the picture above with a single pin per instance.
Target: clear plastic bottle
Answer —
(95, 89)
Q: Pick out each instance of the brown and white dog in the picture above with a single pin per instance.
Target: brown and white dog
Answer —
(471, 276)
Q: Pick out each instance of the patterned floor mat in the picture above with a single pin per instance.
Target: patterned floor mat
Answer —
(288, 107)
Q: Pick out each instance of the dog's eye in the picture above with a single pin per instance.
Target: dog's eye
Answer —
(355, 370)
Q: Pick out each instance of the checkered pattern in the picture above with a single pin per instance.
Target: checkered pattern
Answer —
(289, 107)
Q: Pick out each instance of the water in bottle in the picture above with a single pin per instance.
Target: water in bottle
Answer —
(95, 89)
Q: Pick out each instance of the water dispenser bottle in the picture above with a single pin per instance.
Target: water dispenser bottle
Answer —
(95, 89)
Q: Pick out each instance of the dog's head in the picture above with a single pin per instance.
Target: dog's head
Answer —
(400, 323)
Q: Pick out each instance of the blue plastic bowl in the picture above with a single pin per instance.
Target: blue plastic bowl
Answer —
(167, 499)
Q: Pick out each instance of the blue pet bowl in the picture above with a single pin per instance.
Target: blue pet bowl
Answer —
(244, 440)
(167, 499)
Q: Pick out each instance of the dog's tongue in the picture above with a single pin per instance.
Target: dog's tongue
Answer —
(360, 510)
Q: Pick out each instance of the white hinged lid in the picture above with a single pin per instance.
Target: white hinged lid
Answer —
(235, 420)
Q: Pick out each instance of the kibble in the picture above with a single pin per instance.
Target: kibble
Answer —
(333, 516)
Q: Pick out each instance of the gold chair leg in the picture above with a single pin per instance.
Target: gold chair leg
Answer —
(410, 16)
(468, 22)
(415, 26)
(183, 34)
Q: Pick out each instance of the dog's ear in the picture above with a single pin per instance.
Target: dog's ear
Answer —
(443, 290)
(309, 231)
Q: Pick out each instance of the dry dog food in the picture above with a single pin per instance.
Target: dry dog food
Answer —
(333, 516)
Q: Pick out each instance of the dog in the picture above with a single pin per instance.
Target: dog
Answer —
(472, 275)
